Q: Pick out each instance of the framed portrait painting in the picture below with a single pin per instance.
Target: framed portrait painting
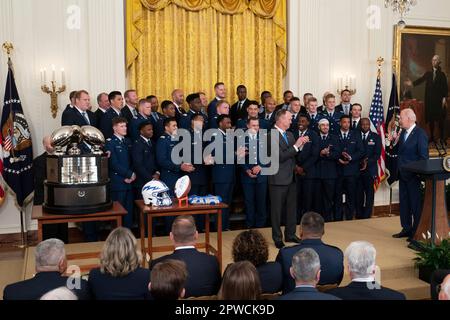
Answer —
(422, 64)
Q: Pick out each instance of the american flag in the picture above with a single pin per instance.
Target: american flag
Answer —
(377, 124)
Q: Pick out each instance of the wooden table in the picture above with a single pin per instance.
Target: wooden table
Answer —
(176, 210)
(114, 214)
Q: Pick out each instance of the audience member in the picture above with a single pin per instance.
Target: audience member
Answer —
(120, 276)
(240, 282)
(252, 246)
(168, 280)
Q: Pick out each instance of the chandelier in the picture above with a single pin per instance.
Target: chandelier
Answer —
(402, 7)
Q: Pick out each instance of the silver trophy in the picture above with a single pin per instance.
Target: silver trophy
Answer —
(77, 182)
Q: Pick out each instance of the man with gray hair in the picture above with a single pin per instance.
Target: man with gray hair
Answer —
(361, 266)
(203, 269)
(51, 265)
(413, 146)
(305, 270)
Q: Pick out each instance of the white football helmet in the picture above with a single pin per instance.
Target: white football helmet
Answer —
(156, 193)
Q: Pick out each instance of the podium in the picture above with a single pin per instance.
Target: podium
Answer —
(434, 217)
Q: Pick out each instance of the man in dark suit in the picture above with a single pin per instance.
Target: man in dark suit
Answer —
(155, 116)
(305, 270)
(59, 230)
(143, 158)
(79, 115)
(355, 113)
(268, 116)
(331, 114)
(369, 169)
(178, 101)
(345, 107)
(103, 106)
(352, 151)
(306, 98)
(204, 276)
(331, 258)
(120, 168)
(195, 107)
(105, 125)
(436, 92)
(129, 111)
(287, 96)
(221, 93)
(305, 168)
(254, 184)
(239, 109)
(264, 95)
(360, 258)
(282, 185)
(313, 115)
(326, 168)
(413, 146)
(71, 104)
(50, 264)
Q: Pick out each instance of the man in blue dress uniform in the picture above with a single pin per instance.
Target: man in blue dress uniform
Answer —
(331, 114)
(369, 169)
(314, 116)
(143, 115)
(352, 151)
(105, 124)
(254, 184)
(120, 169)
(168, 109)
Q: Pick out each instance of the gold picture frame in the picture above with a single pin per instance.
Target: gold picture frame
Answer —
(446, 163)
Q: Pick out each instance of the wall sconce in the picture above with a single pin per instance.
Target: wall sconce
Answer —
(346, 82)
(53, 91)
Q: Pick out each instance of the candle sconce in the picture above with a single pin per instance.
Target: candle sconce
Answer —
(346, 82)
(53, 91)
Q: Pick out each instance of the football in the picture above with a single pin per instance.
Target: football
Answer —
(182, 187)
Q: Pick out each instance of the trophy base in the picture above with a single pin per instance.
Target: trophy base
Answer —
(76, 199)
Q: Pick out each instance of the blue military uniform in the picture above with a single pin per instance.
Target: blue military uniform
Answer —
(120, 168)
(105, 124)
(366, 194)
(158, 128)
(327, 174)
(134, 126)
(185, 120)
(170, 172)
(242, 124)
(255, 189)
(144, 163)
(346, 182)
(223, 178)
(199, 177)
(334, 120)
(314, 121)
(268, 123)
(307, 185)
(331, 262)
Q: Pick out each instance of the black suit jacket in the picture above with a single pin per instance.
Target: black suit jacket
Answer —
(286, 155)
(74, 117)
(309, 155)
(43, 282)
(307, 293)
(39, 176)
(271, 277)
(364, 291)
(98, 115)
(133, 286)
(241, 114)
(126, 113)
(204, 276)
(331, 262)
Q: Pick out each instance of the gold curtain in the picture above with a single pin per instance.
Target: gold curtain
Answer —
(192, 44)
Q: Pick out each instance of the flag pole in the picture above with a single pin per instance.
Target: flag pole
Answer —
(8, 47)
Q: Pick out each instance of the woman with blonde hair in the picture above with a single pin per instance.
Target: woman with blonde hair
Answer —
(120, 275)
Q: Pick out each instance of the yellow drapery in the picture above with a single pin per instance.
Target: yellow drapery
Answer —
(191, 44)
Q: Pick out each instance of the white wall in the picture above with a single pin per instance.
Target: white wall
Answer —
(327, 38)
(93, 57)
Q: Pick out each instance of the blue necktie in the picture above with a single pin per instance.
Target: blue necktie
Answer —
(285, 138)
